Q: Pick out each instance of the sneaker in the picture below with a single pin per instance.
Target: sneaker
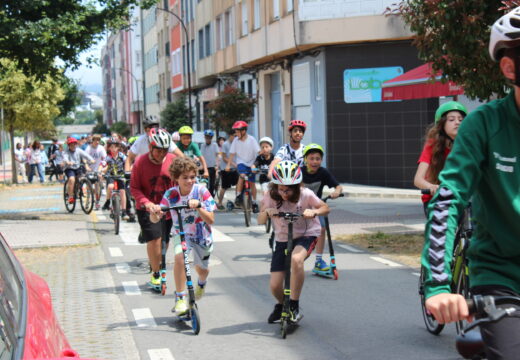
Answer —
(106, 205)
(131, 218)
(124, 214)
(181, 306)
(255, 207)
(321, 265)
(296, 315)
(199, 291)
(155, 281)
(71, 200)
(220, 207)
(276, 314)
(238, 200)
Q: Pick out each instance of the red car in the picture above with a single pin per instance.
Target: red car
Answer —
(28, 325)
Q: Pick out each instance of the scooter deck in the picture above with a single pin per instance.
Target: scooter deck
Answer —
(154, 287)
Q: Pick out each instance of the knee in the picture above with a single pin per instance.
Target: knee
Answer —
(297, 261)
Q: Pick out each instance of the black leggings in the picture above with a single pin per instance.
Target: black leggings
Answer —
(502, 338)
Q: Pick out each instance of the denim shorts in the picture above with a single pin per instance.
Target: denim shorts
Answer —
(244, 169)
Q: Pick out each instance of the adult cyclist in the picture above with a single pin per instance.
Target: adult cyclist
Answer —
(293, 150)
(484, 165)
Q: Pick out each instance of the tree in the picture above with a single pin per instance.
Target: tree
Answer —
(72, 96)
(85, 117)
(231, 105)
(101, 128)
(121, 127)
(175, 115)
(454, 35)
(36, 33)
(29, 104)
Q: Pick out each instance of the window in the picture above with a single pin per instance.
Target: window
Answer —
(176, 62)
(256, 23)
(289, 5)
(219, 41)
(184, 58)
(317, 80)
(201, 44)
(192, 55)
(207, 39)
(245, 29)
(276, 9)
(167, 49)
(228, 29)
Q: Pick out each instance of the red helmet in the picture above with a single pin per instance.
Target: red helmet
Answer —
(299, 123)
(239, 125)
(72, 140)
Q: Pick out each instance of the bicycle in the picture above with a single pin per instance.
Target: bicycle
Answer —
(285, 320)
(82, 191)
(193, 311)
(469, 343)
(247, 199)
(459, 269)
(332, 271)
(115, 201)
(96, 180)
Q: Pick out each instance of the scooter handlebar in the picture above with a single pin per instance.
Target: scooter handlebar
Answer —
(328, 197)
(177, 207)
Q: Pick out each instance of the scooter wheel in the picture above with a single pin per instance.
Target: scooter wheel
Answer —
(284, 326)
(195, 320)
(335, 273)
(163, 289)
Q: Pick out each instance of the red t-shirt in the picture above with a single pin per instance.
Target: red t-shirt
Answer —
(426, 157)
(149, 181)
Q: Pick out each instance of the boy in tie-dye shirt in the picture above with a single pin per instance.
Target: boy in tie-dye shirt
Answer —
(196, 223)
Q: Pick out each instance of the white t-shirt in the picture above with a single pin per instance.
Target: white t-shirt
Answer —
(286, 152)
(210, 153)
(245, 151)
(97, 153)
(225, 150)
(140, 146)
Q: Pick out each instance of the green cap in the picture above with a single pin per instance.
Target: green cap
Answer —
(450, 106)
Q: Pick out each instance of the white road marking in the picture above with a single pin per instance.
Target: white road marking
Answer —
(129, 233)
(123, 268)
(115, 251)
(219, 236)
(350, 248)
(385, 261)
(101, 217)
(143, 317)
(131, 288)
(416, 274)
(160, 354)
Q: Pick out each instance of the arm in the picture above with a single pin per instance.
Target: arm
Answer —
(129, 160)
(337, 192)
(142, 202)
(321, 210)
(420, 181)
(204, 166)
(271, 167)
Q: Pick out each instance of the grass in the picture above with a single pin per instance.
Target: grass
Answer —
(403, 248)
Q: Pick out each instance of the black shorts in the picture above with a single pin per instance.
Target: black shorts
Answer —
(151, 231)
(73, 172)
(278, 260)
(229, 179)
(120, 183)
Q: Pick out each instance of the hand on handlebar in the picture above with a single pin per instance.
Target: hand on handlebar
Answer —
(271, 211)
(309, 213)
(193, 203)
(447, 307)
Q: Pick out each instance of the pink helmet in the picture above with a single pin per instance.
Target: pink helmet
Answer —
(239, 125)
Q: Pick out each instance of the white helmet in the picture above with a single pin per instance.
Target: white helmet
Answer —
(159, 138)
(505, 33)
(287, 172)
(176, 136)
(266, 139)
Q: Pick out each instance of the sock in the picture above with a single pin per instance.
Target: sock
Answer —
(156, 274)
(318, 257)
(180, 295)
(201, 283)
(294, 304)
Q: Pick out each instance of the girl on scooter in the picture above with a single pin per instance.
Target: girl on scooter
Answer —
(287, 194)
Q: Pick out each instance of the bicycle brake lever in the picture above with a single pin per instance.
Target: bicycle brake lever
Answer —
(494, 315)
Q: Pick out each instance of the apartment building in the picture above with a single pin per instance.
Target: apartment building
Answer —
(322, 61)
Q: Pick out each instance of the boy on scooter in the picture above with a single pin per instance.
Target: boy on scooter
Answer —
(315, 177)
(197, 227)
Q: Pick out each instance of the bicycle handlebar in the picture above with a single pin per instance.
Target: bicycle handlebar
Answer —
(328, 197)
(486, 305)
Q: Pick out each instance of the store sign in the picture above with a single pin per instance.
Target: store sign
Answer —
(364, 85)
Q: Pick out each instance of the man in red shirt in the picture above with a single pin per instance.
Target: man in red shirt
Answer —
(149, 181)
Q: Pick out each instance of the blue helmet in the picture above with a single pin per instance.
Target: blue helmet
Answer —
(209, 132)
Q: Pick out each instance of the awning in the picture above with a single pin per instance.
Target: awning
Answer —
(418, 84)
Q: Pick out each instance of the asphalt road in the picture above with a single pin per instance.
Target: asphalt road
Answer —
(371, 312)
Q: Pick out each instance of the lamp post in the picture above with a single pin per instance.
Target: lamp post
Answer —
(138, 97)
(187, 57)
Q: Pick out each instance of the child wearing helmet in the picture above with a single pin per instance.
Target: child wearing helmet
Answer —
(263, 160)
(315, 177)
(191, 149)
(293, 150)
(210, 152)
(439, 141)
(287, 194)
(115, 166)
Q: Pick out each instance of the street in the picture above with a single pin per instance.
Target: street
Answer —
(98, 283)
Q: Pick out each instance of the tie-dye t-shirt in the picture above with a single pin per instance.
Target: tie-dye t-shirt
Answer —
(195, 229)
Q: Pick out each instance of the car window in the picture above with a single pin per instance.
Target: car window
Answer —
(10, 300)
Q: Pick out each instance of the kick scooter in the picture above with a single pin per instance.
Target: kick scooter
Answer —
(285, 320)
(332, 272)
(162, 272)
(193, 312)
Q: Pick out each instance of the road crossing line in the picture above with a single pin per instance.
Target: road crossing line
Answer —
(144, 318)
(131, 288)
(350, 248)
(219, 236)
(160, 354)
(129, 233)
(115, 252)
(122, 268)
(385, 261)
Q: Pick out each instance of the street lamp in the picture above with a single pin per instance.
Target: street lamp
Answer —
(187, 57)
(138, 97)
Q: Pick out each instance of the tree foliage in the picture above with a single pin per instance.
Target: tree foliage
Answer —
(101, 128)
(175, 115)
(71, 97)
(231, 105)
(454, 35)
(35, 33)
(122, 128)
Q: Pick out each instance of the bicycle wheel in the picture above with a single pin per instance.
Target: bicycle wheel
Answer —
(69, 206)
(246, 203)
(116, 210)
(217, 186)
(86, 195)
(268, 225)
(195, 319)
(432, 325)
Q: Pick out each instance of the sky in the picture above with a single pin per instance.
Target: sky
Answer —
(89, 77)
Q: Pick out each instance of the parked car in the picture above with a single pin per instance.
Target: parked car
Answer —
(28, 325)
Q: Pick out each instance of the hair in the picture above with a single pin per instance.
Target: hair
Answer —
(275, 195)
(182, 165)
(36, 145)
(96, 137)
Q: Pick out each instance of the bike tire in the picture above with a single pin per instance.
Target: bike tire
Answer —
(246, 203)
(432, 325)
(116, 210)
(86, 195)
(70, 207)
(216, 187)
(284, 325)
(195, 319)
(268, 225)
